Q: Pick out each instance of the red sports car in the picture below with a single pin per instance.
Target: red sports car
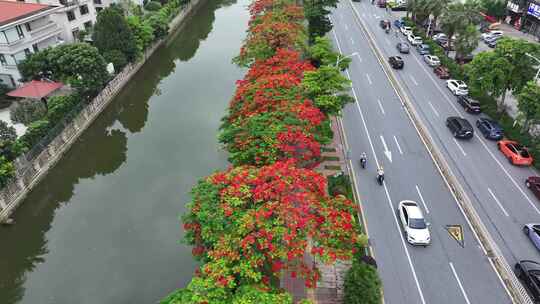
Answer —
(516, 153)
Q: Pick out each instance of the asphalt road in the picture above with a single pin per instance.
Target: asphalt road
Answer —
(444, 272)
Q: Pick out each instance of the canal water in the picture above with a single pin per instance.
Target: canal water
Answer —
(103, 227)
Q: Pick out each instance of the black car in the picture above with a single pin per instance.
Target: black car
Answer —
(460, 127)
(403, 47)
(490, 129)
(396, 62)
(492, 44)
(470, 105)
(384, 24)
(529, 273)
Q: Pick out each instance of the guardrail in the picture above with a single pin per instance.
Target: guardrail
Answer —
(516, 291)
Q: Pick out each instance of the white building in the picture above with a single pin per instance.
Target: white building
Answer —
(24, 28)
(73, 17)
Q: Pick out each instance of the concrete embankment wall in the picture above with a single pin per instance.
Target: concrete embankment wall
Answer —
(29, 172)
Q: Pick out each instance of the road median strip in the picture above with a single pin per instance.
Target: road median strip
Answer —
(511, 283)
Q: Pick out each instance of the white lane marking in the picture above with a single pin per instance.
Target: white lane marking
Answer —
(387, 152)
(459, 146)
(413, 80)
(359, 58)
(508, 175)
(368, 78)
(433, 108)
(380, 106)
(498, 202)
(422, 199)
(459, 283)
(352, 41)
(346, 27)
(397, 144)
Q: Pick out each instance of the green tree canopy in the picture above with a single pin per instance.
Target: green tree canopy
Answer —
(143, 32)
(362, 285)
(77, 64)
(323, 87)
(523, 67)
(321, 52)
(495, 8)
(466, 40)
(529, 103)
(112, 32)
(316, 12)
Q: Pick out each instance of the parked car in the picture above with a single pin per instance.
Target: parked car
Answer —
(381, 3)
(432, 60)
(492, 44)
(406, 30)
(533, 183)
(460, 127)
(515, 153)
(491, 34)
(529, 273)
(396, 62)
(414, 224)
(457, 87)
(492, 39)
(384, 24)
(403, 47)
(442, 72)
(398, 23)
(414, 40)
(399, 7)
(441, 37)
(423, 49)
(532, 231)
(470, 105)
(490, 129)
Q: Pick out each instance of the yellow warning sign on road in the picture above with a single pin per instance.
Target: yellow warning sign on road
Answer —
(456, 232)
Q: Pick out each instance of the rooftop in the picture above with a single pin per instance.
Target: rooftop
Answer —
(36, 89)
(11, 11)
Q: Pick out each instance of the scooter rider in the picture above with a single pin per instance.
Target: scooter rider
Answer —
(363, 159)
(380, 175)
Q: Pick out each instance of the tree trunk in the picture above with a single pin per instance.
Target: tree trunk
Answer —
(500, 104)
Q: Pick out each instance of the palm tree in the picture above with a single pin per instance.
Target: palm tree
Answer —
(466, 40)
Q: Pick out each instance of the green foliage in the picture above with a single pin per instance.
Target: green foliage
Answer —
(523, 67)
(142, 31)
(321, 52)
(340, 184)
(35, 132)
(457, 16)
(112, 32)
(323, 86)
(159, 24)
(495, 8)
(7, 171)
(466, 40)
(490, 73)
(362, 285)
(27, 112)
(77, 64)
(152, 6)
(59, 106)
(7, 133)
(528, 103)
(117, 58)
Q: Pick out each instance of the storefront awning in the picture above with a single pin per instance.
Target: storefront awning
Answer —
(36, 89)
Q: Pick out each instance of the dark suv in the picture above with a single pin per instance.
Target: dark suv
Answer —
(460, 127)
(529, 273)
(470, 105)
(396, 62)
(490, 129)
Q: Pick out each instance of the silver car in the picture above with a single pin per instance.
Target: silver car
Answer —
(432, 60)
(414, 224)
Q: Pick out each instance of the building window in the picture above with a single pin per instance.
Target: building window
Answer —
(3, 59)
(88, 25)
(97, 1)
(20, 31)
(75, 33)
(70, 15)
(35, 48)
(28, 28)
(84, 9)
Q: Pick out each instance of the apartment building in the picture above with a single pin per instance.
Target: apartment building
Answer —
(24, 28)
(73, 16)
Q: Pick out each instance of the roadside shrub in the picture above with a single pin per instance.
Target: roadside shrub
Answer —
(7, 133)
(7, 171)
(36, 131)
(152, 6)
(362, 285)
(27, 112)
(340, 184)
(117, 58)
(59, 106)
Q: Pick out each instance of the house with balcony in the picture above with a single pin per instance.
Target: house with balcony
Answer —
(25, 28)
(73, 16)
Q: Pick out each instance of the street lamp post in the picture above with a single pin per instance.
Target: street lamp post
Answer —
(537, 60)
(338, 59)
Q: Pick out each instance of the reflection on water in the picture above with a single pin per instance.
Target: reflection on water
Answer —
(103, 227)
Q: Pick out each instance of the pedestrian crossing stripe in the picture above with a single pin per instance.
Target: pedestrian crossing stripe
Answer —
(456, 232)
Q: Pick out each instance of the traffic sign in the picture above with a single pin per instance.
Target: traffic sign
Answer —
(456, 232)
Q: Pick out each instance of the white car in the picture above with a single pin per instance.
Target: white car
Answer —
(440, 36)
(414, 224)
(457, 87)
(491, 34)
(406, 30)
(414, 40)
(432, 60)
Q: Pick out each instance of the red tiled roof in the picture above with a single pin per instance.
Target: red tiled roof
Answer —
(12, 10)
(36, 89)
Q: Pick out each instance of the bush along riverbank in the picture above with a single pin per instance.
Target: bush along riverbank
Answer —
(118, 39)
(254, 222)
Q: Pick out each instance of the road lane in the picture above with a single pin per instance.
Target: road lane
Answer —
(482, 168)
(404, 174)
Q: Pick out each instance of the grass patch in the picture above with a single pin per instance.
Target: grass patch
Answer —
(330, 158)
(325, 149)
(331, 167)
